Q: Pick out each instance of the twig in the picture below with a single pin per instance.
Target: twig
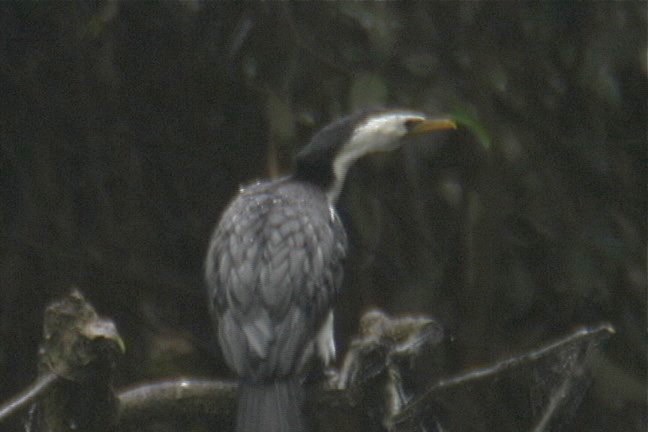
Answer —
(555, 403)
(29, 396)
(582, 335)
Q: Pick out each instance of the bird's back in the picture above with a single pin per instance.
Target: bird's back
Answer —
(273, 269)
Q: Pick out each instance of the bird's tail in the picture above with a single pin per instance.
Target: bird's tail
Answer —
(271, 407)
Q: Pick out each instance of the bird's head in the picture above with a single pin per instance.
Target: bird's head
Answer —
(333, 150)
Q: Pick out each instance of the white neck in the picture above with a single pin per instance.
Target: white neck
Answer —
(340, 168)
(381, 133)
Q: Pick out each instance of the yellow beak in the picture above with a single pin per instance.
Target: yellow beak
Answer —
(431, 125)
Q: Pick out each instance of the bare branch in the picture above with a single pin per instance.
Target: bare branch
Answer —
(177, 397)
(29, 396)
(584, 337)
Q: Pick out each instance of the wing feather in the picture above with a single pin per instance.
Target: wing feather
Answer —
(273, 269)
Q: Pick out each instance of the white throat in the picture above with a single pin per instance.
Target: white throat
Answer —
(377, 134)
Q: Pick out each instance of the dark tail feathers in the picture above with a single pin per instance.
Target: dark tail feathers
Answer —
(270, 407)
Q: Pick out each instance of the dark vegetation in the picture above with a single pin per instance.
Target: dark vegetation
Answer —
(125, 127)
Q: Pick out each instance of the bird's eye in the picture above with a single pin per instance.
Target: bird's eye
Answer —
(410, 124)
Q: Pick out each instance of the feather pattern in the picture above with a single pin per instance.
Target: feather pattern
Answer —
(273, 270)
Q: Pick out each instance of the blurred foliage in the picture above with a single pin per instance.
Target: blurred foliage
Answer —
(127, 126)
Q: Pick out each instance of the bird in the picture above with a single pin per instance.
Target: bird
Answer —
(274, 266)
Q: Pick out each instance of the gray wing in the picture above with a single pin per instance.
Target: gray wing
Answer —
(273, 269)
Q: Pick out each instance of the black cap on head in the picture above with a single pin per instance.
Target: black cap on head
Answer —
(314, 162)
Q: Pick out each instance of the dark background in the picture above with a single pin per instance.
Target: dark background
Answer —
(125, 128)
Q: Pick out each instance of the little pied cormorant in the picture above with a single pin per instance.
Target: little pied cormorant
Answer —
(274, 266)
